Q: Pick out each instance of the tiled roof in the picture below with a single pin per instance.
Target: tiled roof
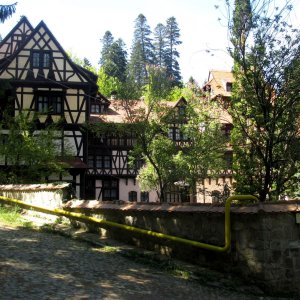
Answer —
(125, 111)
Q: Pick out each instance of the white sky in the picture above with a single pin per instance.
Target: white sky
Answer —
(78, 25)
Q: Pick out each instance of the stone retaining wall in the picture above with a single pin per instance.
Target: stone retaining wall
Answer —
(265, 238)
(46, 195)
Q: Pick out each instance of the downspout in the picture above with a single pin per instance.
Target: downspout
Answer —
(84, 218)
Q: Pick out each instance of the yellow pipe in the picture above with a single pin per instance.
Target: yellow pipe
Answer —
(82, 217)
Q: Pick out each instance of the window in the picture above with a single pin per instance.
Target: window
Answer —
(99, 161)
(132, 196)
(41, 59)
(98, 108)
(95, 108)
(181, 110)
(91, 161)
(107, 162)
(173, 194)
(228, 156)
(49, 104)
(228, 86)
(110, 189)
(176, 134)
(170, 134)
(145, 196)
(226, 129)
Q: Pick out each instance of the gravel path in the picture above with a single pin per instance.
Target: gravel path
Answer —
(37, 265)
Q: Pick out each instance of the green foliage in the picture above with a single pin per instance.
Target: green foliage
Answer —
(159, 169)
(107, 84)
(265, 98)
(141, 52)
(200, 150)
(113, 57)
(159, 84)
(159, 45)
(204, 154)
(85, 63)
(31, 154)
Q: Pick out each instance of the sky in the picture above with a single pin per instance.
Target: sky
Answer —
(78, 25)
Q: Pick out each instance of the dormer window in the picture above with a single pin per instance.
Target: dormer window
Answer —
(41, 59)
(98, 108)
(95, 108)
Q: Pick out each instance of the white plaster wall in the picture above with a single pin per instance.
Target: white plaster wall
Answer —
(124, 190)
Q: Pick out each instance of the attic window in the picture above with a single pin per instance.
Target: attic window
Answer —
(41, 59)
(95, 108)
(228, 86)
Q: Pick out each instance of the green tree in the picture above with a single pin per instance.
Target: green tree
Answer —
(159, 84)
(116, 63)
(171, 53)
(106, 41)
(141, 52)
(203, 155)
(265, 97)
(159, 44)
(86, 63)
(6, 11)
(107, 85)
(31, 155)
(165, 161)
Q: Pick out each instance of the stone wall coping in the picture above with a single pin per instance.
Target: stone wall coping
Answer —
(278, 207)
(33, 187)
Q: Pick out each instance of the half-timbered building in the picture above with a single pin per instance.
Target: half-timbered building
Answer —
(109, 174)
(43, 79)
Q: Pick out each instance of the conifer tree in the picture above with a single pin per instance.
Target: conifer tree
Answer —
(114, 57)
(160, 45)
(171, 54)
(6, 11)
(141, 52)
(106, 41)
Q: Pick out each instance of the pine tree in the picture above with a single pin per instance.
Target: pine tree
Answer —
(171, 55)
(86, 63)
(159, 44)
(106, 41)
(116, 62)
(6, 11)
(113, 57)
(141, 52)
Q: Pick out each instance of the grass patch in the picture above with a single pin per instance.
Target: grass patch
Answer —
(12, 215)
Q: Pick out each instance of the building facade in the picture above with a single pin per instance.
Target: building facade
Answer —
(44, 80)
